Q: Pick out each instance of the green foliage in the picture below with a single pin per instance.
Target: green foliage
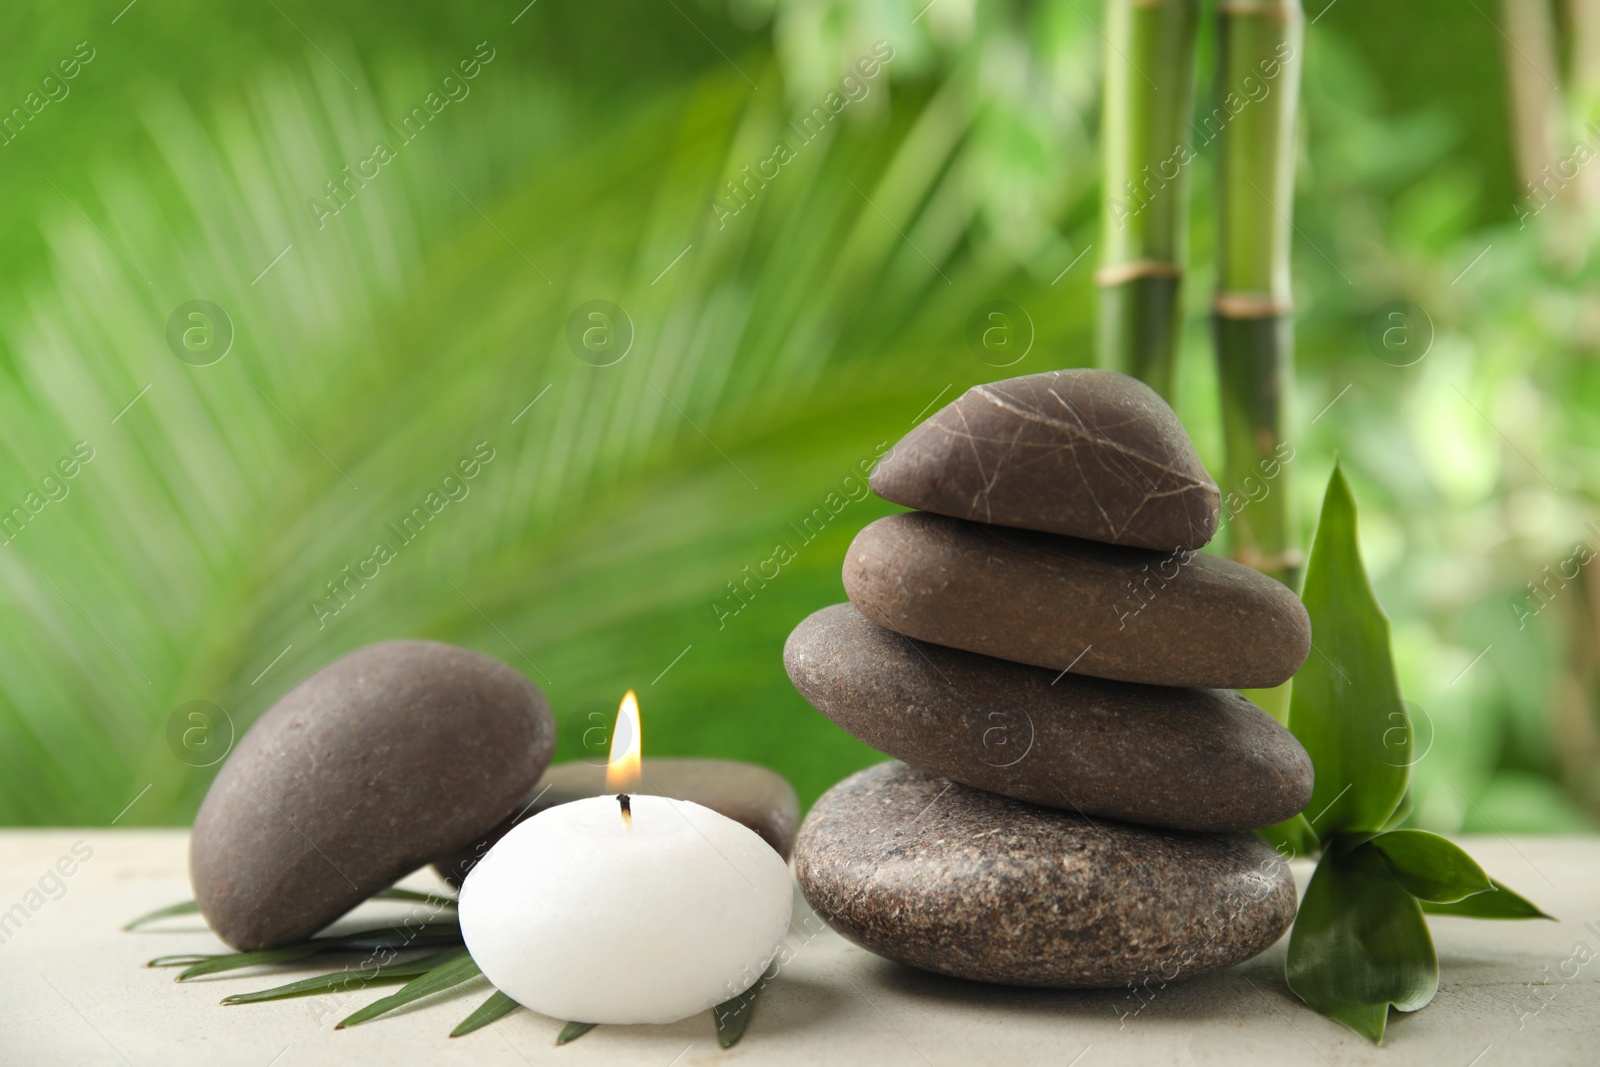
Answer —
(1292, 837)
(1345, 706)
(449, 970)
(733, 1015)
(386, 938)
(1502, 903)
(1429, 867)
(186, 907)
(497, 1006)
(423, 976)
(1360, 943)
(343, 981)
(573, 1031)
(612, 532)
(796, 337)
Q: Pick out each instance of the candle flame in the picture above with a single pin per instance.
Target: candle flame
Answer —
(622, 772)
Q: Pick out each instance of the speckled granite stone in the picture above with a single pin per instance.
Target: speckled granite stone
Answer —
(1086, 453)
(755, 796)
(1191, 759)
(965, 883)
(368, 769)
(1179, 618)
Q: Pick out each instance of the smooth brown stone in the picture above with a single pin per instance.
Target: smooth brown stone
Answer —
(1190, 759)
(1180, 618)
(759, 798)
(368, 769)
(1086, 453)
(965, 883)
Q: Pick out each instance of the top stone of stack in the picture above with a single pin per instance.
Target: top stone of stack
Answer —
(1087, 453)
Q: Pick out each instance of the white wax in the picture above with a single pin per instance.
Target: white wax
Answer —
(582, 919)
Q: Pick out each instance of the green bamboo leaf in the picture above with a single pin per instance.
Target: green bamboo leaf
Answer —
(391, 938)
(1346, 707)
(1498, 903)
(1293, 838)
(498, 1006)
(573, 1031)
(234, 961)
(339, 981)
(399, 935)
(1360, 944)
(732, 1016)
(1429, 867)
(187, 907)
(183, 959)
(344, 979)
(453, 968)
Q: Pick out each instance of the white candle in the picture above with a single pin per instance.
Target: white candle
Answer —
(583, 917)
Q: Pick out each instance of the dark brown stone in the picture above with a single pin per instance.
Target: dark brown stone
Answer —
(1086, 453)
(1178, 618)
(1190, 759)
(368, 769)
(759, 798)
(965, 883)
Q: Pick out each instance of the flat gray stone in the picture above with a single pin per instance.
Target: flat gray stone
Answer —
(759, 798)
(1179, 618)
(1086, 453)
(966, 883)
(367, 770)
(1190, 759)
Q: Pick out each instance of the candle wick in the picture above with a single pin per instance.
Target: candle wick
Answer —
(627, 809)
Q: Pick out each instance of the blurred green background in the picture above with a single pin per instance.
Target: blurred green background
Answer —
(773, 349)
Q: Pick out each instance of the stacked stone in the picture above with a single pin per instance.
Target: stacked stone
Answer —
(1053, 659)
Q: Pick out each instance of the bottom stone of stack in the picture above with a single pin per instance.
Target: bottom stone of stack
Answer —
(962, 882)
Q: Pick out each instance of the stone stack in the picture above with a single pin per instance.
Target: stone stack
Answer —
(1048, 652)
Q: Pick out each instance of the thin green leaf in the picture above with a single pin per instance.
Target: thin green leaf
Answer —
(182, 960)
(345, 979)
(732, 1016)
(1360, 944)
(187, 907)
(1346, 707)
(453, 968)
(341, 981)
(233, 962)
(1498, 903)
(1429, 867)
(447, 931)
(391, 938)
(498, 1006)
(573, 1031)
(1293, 838)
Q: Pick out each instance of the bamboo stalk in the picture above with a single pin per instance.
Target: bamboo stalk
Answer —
(1258, 88)
(1149, 97)
(1532, 77)
(1583, 105)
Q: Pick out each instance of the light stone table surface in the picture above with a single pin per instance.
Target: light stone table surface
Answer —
(73, 991)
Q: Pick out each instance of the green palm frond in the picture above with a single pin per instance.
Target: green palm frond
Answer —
(772, 354)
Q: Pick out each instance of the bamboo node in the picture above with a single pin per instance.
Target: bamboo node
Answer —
(1288, 559)
(1117, 273)
(1249, 306)
(1281, 11)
